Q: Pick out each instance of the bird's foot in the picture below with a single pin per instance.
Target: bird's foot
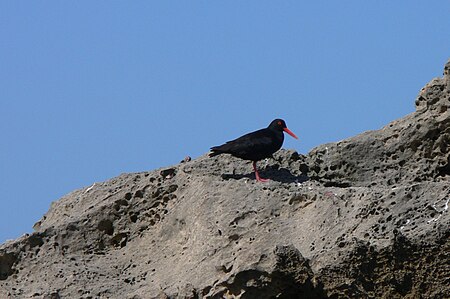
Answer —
(259, 179)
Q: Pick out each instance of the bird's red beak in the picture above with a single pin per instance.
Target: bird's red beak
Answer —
(290, 133)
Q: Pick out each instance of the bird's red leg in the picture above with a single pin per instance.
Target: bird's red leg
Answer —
(258, 178)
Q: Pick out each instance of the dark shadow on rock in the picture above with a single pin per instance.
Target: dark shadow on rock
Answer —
(229, 176)
(292, 278)
(281, 175)
(7, 260)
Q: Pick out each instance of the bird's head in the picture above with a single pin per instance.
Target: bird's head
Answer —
(280, 125)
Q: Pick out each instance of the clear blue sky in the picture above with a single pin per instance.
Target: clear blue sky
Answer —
(92, 89)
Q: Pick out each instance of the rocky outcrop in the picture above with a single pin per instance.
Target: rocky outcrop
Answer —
(365, 217)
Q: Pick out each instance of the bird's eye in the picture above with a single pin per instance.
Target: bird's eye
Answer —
(279, 123)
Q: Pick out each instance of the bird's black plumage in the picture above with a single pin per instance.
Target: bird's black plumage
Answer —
(254, 146)
(257, 145)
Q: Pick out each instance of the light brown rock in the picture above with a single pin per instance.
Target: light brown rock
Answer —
(366, 217)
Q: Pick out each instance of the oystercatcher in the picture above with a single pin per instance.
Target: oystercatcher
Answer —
(256, 145)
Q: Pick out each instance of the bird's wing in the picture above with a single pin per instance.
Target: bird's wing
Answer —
(249, 143)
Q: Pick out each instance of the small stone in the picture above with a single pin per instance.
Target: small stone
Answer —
(186, 159)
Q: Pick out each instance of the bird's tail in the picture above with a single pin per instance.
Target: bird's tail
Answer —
(215, 151)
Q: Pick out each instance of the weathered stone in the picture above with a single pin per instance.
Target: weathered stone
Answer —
(366, 217)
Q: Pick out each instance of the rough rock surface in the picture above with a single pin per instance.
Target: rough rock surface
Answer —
(366, 217)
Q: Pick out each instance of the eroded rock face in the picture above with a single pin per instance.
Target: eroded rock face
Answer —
(412, 149)
(366, 217)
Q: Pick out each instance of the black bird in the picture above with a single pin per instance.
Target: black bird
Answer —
(256, 145)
